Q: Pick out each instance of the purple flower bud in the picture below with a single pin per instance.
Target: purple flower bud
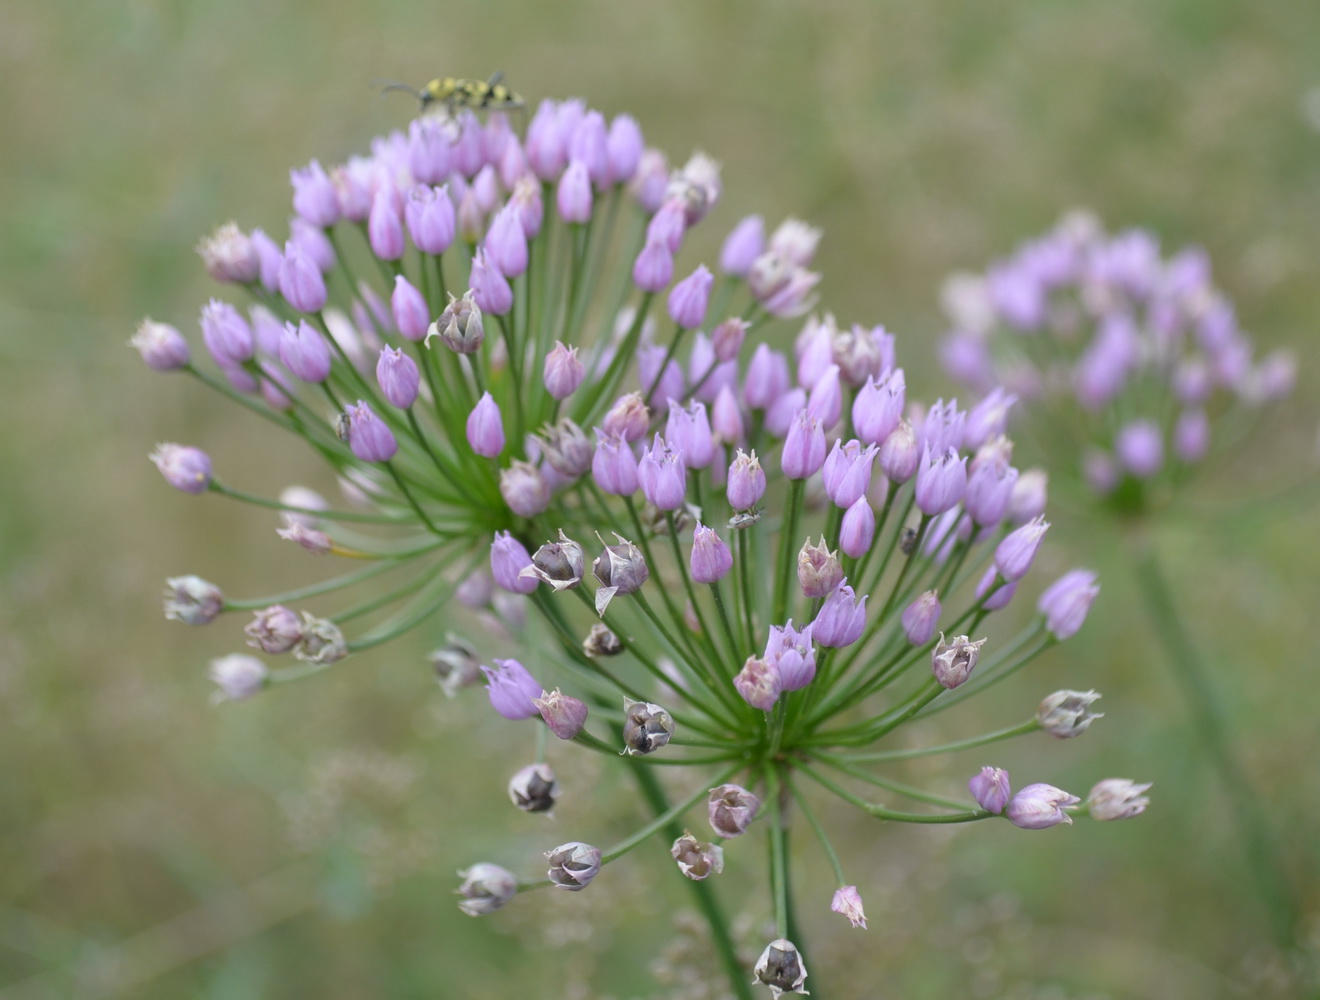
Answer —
(1065, 714)
(857, 531)
(943, 428)
(1039, 806)
(566, 449)
(565, 716)
(814, 348)
(513, 691)
(1028, 497)
(228, 255)
(315, 541)
(1066, 601)
(301, 282)
(767, 378)
(687, 431)
(782, 289)
(1014, 554)
(646, 727)
(689, 298)
(759, 683)
(508, 558)
(804, 448)
(921, 617)
(368, 436)
(847, 472)
(989, 487)
(878, 407)
(731, 810)
(695, 859)
(848, 902)
(941, 480)
(524, 489)
(460, 325)
(469, 156)
(485, 889)
(613, 466)
(791, 653)
(819, 572)
(780, 967)
(953, 662)
(662, 475)
(746, 483)
(275, 629)
(314, 195)
(1140, 448)
(312, 241)
(184, 468)
(162, 347)
(1117, 798)
(711, 558)
(269, 259)
(654, 268)
(411, 315)
(192, 600)
(991, 790)
(993, 597)
(304, 352)
(1191, 435)
(825, 402)
(588, 145)
(563, 371)
(534, 788)
(226, 334)
(742, 246)
(506, 243)
(237, 676)
(429, 151)
(624, 149)
(726, 418)
(573, 865)
(490, 289)
(574, 194)
(429, 215)
(398, 377)
(628, 417)
(384, 227)
(842, 618)
(988, 418)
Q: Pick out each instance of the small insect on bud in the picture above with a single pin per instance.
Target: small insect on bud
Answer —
(237, 676)
(646, 727)
(534, 788)
(573, 865)
(953, 662)
(848, 902)
(275, 629)
(564, 715)
(192, 600)
(1117, 798)
(1065, 714)
(485, 889)
(731, 810)
(780, 967)
(697, 860)
(601, 642)
(455, 665)
(560, 564)
(322, 643)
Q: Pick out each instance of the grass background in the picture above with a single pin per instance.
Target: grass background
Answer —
(304, 844)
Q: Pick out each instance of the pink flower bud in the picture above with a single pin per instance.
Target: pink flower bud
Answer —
(848, 902)
(742, 246)
(490, 289)
(941, 480)
(1066, 602)
(184, 468)
(662, 475)
(689, 298)
(301, 281)
(162, 347)
(1039, 806)
(563, 715)
(398, 377)
(819, 572)
(624, 149)
(574, 194)
(314, 195)
(841, 620)
(746, 483)
(953, 662)
(506, 243)
(226, 334)
(991, 790)
(759, 683)
(274, 630)
(192, 600)
(654, 267)
(563, 371)
(899, 455)
(237, 676)
(628, 417)
(508, 558)
(920, 618)
(731, 810)
(1013, 556)
(485, 431)
(857, 531)
(411, 314)
(524, 489)
(711, 559)
(485, 889)
(804, 448)
(385, 227)
(229, 256)
(368, 436)
(1117, 798)
(429, 214)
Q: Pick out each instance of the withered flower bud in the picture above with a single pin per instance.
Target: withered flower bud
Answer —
(534, 788)
(780, 967)
(459, 326)
(601, 642)
(322, 642)
(559, 564)
(1065, 714)
(485, 889)
(732, 809)
(573, 865)
(455, 664)
(621, 569)
(819, 571)
(565, 715)
(695, 859)
(567, 448)
(953, 662)
(646, 727)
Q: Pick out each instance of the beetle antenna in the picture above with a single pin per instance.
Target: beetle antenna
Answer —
(387, 85)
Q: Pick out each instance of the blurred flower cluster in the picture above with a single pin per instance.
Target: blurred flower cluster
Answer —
(600, 453)
(1128, 357)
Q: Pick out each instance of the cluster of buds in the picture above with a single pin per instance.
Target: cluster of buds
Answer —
(540, 444)
(1144, 348)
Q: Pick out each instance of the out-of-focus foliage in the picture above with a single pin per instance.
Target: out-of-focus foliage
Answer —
(304, 843)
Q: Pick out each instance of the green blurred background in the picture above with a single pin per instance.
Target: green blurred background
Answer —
(304, 844)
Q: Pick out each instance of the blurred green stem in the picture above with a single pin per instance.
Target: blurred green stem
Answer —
(1203, 704)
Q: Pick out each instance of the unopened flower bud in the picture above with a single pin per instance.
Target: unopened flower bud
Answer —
(689, 298)
(742, 246)
(573, 865)
(368, 436)
(398, 377)
(567, 448)
(646, 727)
(305, 352)
(455, 665)
(759, 683)
(747, 482)
(899, 455)
(184, 468)
(1066, 601)
(192, 600)
(485, 889)
(322, 642)
(459, 326)
(662, 475)
(275, 629)
(804, 447)
(731, 810)
(559, 564)
(841, 620)
(600, 641)
(695, 859)
(1039, 806)
(485, 429)
(711, 558)
(848, 902)
(1013, 556)
(563, 714)
(534, 789)
(228, 255)
(727, 338)
(162, 346)
(953, 662)
(301, 281)
(819, 572)
(1117, 798)
(1027, 499)
(990, 788)
(508, 558)
(524, 489)
(315, 541)
(237, 676)
(629, 417)
(513, 691)
(1065, 714)
(780, 967)
(920, 618)
(563, 371)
